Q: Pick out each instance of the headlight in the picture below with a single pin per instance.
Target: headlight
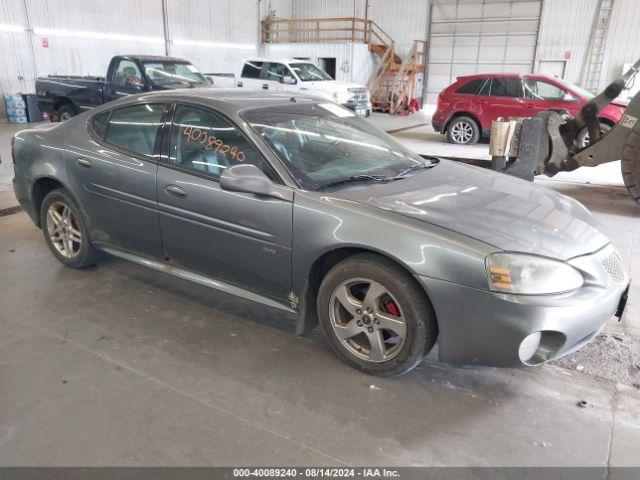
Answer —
(530, 275)
(340, 97)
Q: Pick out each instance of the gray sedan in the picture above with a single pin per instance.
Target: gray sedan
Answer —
(300, 205)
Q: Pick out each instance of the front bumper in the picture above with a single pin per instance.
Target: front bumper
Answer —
(362, 108)
(479, 327)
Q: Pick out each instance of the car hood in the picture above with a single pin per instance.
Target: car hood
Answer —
(500, 210)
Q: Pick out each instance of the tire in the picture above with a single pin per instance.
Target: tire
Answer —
(414, 329)
(463, 131)
(630, 164)
(582, 140)
(64, 112)
(79, 253)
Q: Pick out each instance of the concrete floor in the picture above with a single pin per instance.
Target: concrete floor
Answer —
(119, 365)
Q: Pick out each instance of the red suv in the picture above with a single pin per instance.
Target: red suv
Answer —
(467, 107)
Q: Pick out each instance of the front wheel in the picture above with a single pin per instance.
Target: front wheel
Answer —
(630, 163)
(64, 112)
(463, 131)
(375, 316)
(583, 140)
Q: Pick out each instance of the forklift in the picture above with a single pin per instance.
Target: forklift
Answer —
(549, 142)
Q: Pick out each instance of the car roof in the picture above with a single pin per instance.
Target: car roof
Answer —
(505, 75)
(230, 100)
(280, 60)
(155, 58)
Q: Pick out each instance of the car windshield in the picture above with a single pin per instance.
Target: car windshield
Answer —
(575, 88)
(324, 143)
(308, 72)
(171, 73)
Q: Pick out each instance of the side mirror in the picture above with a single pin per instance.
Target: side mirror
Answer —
(210, 80)
(248, 179)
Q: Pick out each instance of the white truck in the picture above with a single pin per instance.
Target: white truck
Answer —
(298, 76)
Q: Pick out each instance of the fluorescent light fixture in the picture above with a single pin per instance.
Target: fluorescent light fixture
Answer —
(201, 43)
(11, 28)
(98, 35)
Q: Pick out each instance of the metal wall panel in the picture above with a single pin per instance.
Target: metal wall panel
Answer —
(480, 36)
(16, 68)
(214, 35)
(404, 20)
(564, 32)
(623, 40)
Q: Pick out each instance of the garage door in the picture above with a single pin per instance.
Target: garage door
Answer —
(480, 36)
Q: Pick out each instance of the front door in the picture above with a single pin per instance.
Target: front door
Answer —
(114, 174)
(541, 96)
(239, 238)
(126, 79)
(279, 78)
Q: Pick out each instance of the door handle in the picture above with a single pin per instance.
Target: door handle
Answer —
(83, 162)
(175, 191)
(265, 86)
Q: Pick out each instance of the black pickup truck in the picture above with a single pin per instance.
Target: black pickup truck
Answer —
(62, 97)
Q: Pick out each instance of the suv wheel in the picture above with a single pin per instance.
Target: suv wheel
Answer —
(375, 316)
(65, 230)
(463, 131)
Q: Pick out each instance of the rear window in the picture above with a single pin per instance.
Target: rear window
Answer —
(252, 70)
(135, 128)
(472, 87)
(99, 124)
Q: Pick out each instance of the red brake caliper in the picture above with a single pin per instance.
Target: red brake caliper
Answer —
(391, 307)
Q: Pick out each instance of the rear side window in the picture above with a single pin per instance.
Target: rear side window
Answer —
(135, 128)
(506, 87)
(486, 88)
(472, 87)
(99, 124)
(251, 70)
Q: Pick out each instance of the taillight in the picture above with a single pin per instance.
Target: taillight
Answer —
(440, 100)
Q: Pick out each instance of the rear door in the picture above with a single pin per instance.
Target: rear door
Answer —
(114, 176)
(251, 75)
(125, 79)
(503, 99)
(239, 238)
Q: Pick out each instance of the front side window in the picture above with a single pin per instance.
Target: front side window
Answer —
(127, 74)
(324, 143)
(135, 128)
(279, 72)
(252, 70)
(174, 73)
(506, 87)
(208, 143)
(541, 90)
(308, 72)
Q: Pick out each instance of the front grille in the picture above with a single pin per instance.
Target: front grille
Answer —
(613, 265)
(358, 95)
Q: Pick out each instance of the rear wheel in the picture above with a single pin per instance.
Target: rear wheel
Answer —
(583, 139)
(65, 231)
(375, 316)
(64, 112)
(630, 163)
(463, 131)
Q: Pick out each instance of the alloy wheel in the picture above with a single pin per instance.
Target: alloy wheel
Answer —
(462, 132)
(64, 230)
(367, 319)
(65, 116)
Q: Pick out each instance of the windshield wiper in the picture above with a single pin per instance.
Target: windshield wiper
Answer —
(358, 178)
(417, 166)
